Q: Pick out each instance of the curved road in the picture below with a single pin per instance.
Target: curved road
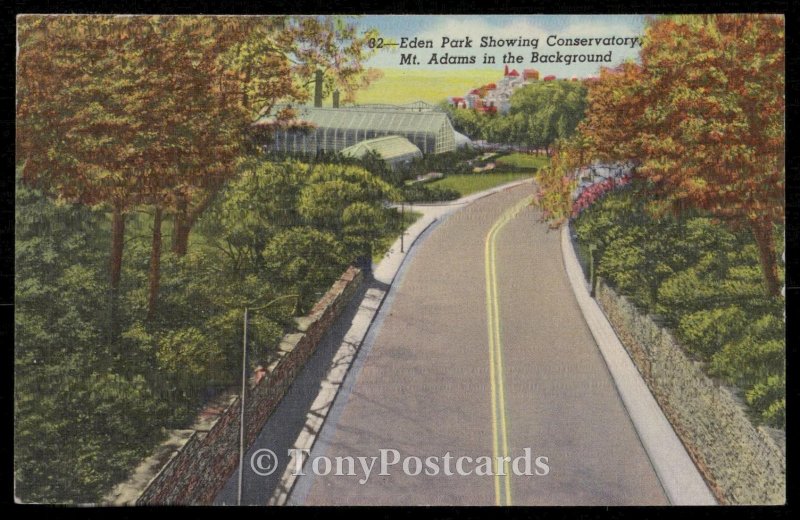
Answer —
(484, 353)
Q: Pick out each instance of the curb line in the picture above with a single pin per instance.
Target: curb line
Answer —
(330, 390)
(676, 471)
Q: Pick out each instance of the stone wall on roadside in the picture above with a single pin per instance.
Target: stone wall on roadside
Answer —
(744, 464)
(193, 464)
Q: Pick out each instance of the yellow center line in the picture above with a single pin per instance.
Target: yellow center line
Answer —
(499, 421)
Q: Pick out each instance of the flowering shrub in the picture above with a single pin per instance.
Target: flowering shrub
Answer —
(592, 193)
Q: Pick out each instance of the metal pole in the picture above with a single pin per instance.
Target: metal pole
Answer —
(241, 416)
(591, 270)
(402, 225)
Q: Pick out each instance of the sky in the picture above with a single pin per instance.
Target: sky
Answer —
(455, 27)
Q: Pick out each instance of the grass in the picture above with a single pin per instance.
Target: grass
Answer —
(383, 244)
(399, 86)
(473, 182)
(524, 160)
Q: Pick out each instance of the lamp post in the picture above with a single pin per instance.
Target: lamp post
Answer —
(592, 249)
(241, 414)
(244, 391)
(402, 225)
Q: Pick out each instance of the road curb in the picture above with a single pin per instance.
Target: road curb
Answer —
(341, 363)
(472, 197)
(679, 477)
(345, 356)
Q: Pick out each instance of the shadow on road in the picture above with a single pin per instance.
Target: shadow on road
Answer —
(284, 426)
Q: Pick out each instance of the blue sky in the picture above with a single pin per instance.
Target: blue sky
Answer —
(507, 26)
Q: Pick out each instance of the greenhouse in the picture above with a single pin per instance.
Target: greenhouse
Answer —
(318, 129)
(394, 150)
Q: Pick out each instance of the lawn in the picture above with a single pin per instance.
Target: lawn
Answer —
(524, 160)
(399, 86)
(474, 182)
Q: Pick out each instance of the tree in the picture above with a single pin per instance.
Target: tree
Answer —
(81, 135)
(550, 110)
(616, 104)
(303, 259)
(272, 60)
(123, 112)
(704, 116)
(333, 188)
(259, 203)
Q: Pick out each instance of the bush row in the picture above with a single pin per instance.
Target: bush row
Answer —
(704, 282)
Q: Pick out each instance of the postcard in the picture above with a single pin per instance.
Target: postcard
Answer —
(400, 260)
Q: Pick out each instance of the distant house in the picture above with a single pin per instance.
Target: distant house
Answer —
(496, 97)
(549, 78)
(458, 102)
(530, 75)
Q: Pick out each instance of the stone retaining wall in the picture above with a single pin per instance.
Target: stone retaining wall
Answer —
(744, 464)
(192, 466)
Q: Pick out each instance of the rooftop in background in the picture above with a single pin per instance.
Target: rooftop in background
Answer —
(328, 129)
(310, 113)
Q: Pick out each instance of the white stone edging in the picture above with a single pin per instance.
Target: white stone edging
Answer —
(679, 477)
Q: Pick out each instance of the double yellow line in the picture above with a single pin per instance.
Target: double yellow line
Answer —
(502, 483)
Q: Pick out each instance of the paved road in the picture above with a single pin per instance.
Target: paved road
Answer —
(484, 353)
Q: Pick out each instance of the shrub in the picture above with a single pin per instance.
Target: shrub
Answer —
(704, 280)
(755, 357)
(704, 332)
(421, 193)
(767, 400)
(303, 260)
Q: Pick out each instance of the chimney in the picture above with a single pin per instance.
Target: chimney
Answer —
(335, 99)
(505, 72)
(318, 89)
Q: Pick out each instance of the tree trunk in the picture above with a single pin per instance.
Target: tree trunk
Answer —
(762, 233)
(115, 268)
(180, 236)
(186, 217)
(154, 275)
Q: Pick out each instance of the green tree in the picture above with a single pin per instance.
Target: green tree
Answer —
(546, 111)
(302, 260)
(333, 188)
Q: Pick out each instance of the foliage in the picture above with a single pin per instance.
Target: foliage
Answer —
(556, 182)
(82, 414)
(545, 111)
(704, 116)
(248, 252)
(703, 281)
(540, 114)
(305, 260)
(419, 192)
(331, 189)
(125, 124)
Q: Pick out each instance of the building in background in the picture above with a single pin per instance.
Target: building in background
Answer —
(317, 130)
(396, 151)
(496, 97)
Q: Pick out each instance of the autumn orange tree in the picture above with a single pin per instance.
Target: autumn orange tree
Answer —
(274, 59)
(704, 117)
(129, 111)
(80, 134)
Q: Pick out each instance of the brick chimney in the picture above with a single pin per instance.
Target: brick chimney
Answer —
(318, 89)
